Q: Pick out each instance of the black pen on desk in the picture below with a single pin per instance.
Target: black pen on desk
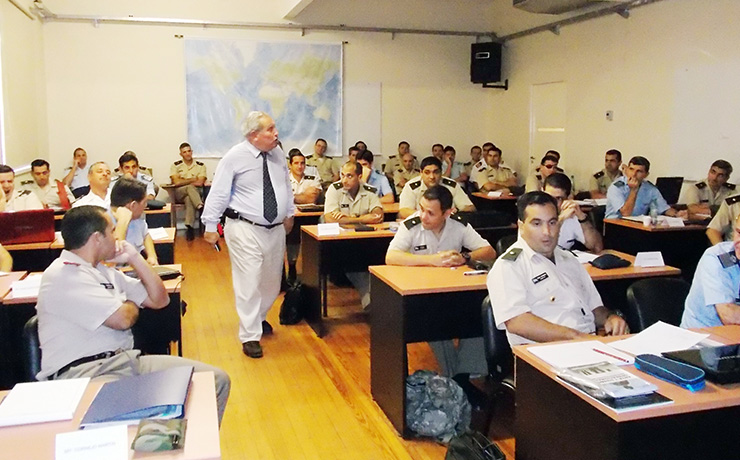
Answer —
(217, 247)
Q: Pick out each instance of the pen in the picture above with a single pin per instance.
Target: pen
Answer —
(216, 247)
(610, 355)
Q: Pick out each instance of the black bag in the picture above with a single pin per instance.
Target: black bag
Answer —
(291, 312)
(607, 261)
(472, 445)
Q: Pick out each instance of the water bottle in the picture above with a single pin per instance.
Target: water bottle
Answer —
(653, 213)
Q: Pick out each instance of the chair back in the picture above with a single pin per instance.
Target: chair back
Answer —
(498, 351)
(655, 299)
(31, 350)
(503, 244)
(597, 215)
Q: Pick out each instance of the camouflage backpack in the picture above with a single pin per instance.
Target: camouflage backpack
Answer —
(436, 406)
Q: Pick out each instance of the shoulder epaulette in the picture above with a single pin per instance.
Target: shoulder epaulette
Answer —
(701, 185)
(68, 168)
(727, 259)
(729, 186)
(415, 184)
(538, 176)
(458, 218)
(117, 170)
(337, 185)
(411, 223)
(26, 182)
(599, 175)
(559, 169)
(417, 170)
(178, 162)
(146, 177)
(309, 177)
(309, 156)
(468, 163)
(24, 192)
(730, 200)
(504, 167)
(512, 254)
(400, 170)
(370, 188)
(449, 182)
(479, 164)
(480, 168)
(199, 163)
(391, 157)
(620, 181)
(414, 156)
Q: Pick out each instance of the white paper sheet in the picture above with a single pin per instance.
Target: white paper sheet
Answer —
(659, 338)
(649, 259)
(583, 256)
(569, 354)
(332, 229)
(110, 443)
(495, 193)
(158, 233)
(47, 401)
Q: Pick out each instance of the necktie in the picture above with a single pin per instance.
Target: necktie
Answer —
(269, 203)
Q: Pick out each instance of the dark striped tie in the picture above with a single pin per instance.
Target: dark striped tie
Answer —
(269, 203)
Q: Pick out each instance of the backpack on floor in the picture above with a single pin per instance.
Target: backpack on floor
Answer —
(436, 406)
(291, 311)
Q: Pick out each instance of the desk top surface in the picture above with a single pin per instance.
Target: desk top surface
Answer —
(429, 280)
(36, 442)
(388, 208)
(58, 243)
(7, 280)
(172, 286)
(659, 228)
(485, 196)
(166, 210)
(350, 234)
(711, 397)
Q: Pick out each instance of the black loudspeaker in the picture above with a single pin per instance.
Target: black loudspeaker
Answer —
(485, 62)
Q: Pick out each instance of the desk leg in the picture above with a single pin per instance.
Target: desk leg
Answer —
(388, 358)
(312, 286)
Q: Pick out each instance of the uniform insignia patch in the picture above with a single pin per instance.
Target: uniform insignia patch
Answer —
(512, 254)
(701, 185)
(599, 175)
(370, 188)
(458, 218)
(178, 162)
(107, 285)
(541, 277)
(729, 186)
(538, 176)
(309, 177)
(344, 205)
(421, 247)
(728, 259)
(199, 163)
(391, 157)
(411, 223)
(337, 185)
(732, 199)
(400, 170)
(449, 182)
(415, 184)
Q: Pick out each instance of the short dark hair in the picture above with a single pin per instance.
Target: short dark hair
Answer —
(294, 152)
(450, 148)
(81, 222)
(183, 145)
(126, 157)
(361, 142)
(559, 181)
(475, 147)
(724, 165)
(615, 152)
(489, 144)
(441, 194)
(533, 198)
(76, 150)
(6, 169)
(125, 191)
(549, 157)
(438, 145)
(366, 155)
(554, 153)
(322, 140)
(429, 161)
(37, 163)
(353, 149)
(356, 165)
(640, 161)
(403, 142)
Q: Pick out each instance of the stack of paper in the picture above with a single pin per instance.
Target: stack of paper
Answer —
(659, 338)
(158, 233)
(27, 287)
(569, 354)
(35, 402)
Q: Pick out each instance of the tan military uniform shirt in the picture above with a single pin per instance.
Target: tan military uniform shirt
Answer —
(416, 187)
(724, 220)
(326, 166)
(483, 173)
(195, 170)
(702, 193)
(394, 163)
(23, 200)
(337, 198)
(534, 182)
(602, 180)
(402, 174)
(49, 195)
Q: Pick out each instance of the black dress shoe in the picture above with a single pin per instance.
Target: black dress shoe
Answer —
(253, 349)
(189, 233)
(266, 328)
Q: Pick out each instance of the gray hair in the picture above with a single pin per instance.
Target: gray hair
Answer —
(253, 122)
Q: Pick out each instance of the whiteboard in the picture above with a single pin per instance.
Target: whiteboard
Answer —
(706, 119)
(362, 116)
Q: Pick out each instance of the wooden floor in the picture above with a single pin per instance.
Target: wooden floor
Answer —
(308, 397)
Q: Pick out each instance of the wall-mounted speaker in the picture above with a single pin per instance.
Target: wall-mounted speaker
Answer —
(485, 62)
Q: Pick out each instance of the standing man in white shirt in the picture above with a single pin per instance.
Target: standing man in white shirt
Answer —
(252, 189)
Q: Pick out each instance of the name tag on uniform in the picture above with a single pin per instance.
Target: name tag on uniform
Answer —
(420, 247)
(107, 285)
(541, 277)
(344, 205)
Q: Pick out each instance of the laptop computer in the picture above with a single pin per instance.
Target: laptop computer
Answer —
(720, 364)
(670, 188)
(36, 226)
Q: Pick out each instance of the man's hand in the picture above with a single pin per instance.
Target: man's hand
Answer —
(152, 260)
(76, 163)
(449, 259)
(288, 224)
(211, 237)
(616, 325)
(729, 313)
(336, 215)
(633, 183)
(123, 214)
(569, 209)
(125, 251)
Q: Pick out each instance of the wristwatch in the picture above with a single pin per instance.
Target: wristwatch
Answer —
(585, 218)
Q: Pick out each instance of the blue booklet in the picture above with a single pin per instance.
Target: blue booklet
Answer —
(157, 395)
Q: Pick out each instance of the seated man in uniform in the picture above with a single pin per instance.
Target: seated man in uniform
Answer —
(705, 197)
(431, 175)
(601, 180)
(433, 236)
(349, 201)
(713, 297)
(374, 178)
(539, 292)
(352, 154)
(6, 260)
(98, 177)
(76, 177)
(128, 166)
(306, 190)
(325, 166)
(86, 309)
(57, 196)
(438, 152)
(575, 225)
(188, 176)
(16, 200)
(475, 155)
(489, 174)
(455, 170)
(536, 180)
(394, 161)
(405, 172)
(632, 194)
(127, 204)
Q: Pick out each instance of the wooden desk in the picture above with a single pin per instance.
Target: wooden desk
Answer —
(695, 425)
(681, 247)
(153, 332)
(37, 441)
(350, 251)
(164, 247)
(160, 217)
(505, 204)
(303, 218)
(422, 304)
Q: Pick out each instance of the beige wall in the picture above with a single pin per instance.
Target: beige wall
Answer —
(23, 86)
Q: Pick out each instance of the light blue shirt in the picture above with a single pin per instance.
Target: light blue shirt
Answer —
(713, 283)
(238, 185)
(380, 182)
(617, 193)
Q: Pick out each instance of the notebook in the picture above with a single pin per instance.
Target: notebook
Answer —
(720, 364)
(36, 226)
(36, 402)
